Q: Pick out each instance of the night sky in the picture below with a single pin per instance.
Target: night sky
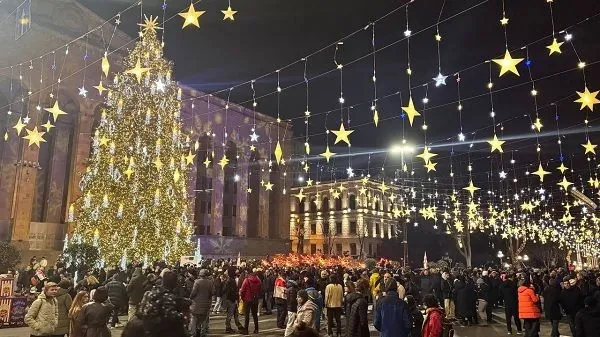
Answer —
(270, 34)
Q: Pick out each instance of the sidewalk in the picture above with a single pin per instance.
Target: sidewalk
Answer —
(545, 327)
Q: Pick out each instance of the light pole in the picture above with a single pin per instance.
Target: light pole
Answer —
(500, 256)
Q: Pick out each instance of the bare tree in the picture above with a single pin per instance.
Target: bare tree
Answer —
(361, 233)
(516, 247)
(328, 236)
(463, 244)
(299, 234)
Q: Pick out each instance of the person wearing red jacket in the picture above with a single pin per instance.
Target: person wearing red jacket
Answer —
(529, 310)
(250, 293)
(280, 295)
(433, 325)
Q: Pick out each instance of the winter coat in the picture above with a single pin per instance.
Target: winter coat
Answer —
(251, 288)
(433, 325)
(357, 324)
(95, 319)
(307, 314)
(587, 323)
(426, 285)
(551, 303)
(230, 290)
(201, 296)
(528, 303)
(42, 316)
(463, 299)
(76, 324)
(280, 292)
(117, 293)
(334, 295)
(292, 291)
(63, 301)
(391, 316)
(571, 301)
(447, 289)
(135, 288)
(269, 284)
(508, 289)
(483, 291)
(417, 319)
(494, 284)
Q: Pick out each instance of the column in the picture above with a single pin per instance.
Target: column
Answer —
(9, 154)
(263, 206)
(218, 178)
(56, 174)
(241, 219)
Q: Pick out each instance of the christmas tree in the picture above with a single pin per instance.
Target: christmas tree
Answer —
(134, 200)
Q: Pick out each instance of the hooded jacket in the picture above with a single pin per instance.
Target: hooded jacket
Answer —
(292, 291)
(42, 316)
(63, 302)
(251, 288)
(433, 325)
(391, 316)
(135, 288)
(201, 296)
(528, 303)
(306, 314)
(357, 324)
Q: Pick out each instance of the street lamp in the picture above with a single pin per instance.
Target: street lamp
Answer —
(525, 257)
(500, 256)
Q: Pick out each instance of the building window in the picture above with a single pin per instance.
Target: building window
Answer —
(300, 207)
(23, 16)
(208, 207)
(385, 231)
(352, 201)
(325, 227)
(226, 209)
(202, 207)
(338, 228)
(338, 248)
(353, 227)
(313, 206)
(313, 229)
(233, 210)
(325, 205)
(338, 204)
(376, 205)
(313, 248)
(353, 249)
(377, 230)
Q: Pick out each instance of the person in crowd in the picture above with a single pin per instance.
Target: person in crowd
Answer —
(494, 282)
(268, 290)
(416, 317)
(587, 320)
(357, 324)
(201, 296)
(489, 296)
(434, 319)
(118, 297)
(250, 294)
(374, 281)
(571, 301)
(218, 291)
(75, 317)
(482, 298)
(97, 314)
(391, 314)
(463, 310)
(292, 304)
(42, 316)
(135, 291)
(425, 283)
(317, 298)
(334, 296)
(551, 295)
(230, 302)
(280, 296)
(303, 330)
(447, 290)
(529, 309)
(63, 302)
(307, 311)
(508, 291)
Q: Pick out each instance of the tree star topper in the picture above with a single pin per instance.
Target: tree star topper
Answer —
(410, 111)
(342, 135)
(508, 64)
(150, 24)
(191, 16)
(587, 99)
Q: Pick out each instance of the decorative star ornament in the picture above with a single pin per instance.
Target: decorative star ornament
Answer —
(335, 194)
(278, 153)
(254, 136)
(342, 134)
(430, 166)
(508, 64)
(150, 24)
(541, 173)
(502, 174)
(105, 65)
(268, 186)
(410, 111)
(364, 180)
(376, 118)
(19, 126)
(309, 182)
(504, 21)
(301, 195)
(83, 92)
(589, 147)
(565, 183)
(252, 147)
(191, 16)
(100, 87)
(223, 162)
(55, 111)
(34, 136)
(104, 141)
(562, 168)
(350, 172)
(158, 164)
(383, 187)
(228, 14)
(587, 99)
(189, 159)
(249, 190)
(426, 155)
(440, 80)
(538, 124)
(48, 125)
(555, 47)
(327, 154)
(471, 188)
(496, 144)
(138, 71)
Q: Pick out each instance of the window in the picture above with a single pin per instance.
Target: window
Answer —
(313, 206)
(208, 207)
(377, 230)
(313, 248)
(353, 248)
(226, 210)
(353, 227)
(23, 16)
(338, 248)
(233, 210)
(300, 207)
(352, 201)
(325, 205)
(376, 205)
(385, 231)
(338, 228)
(325, 227)
(338, 204)
(202, 207)
(313, 229)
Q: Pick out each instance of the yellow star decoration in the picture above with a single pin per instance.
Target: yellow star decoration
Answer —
(397, 213)
(252, 148)
(189, 159)
(538, 124)
(129, 172)
(410, 111)
(19, 126)
(527, 206)
(206, 162)
(342, 134)
(34, 136)
(176, 175)
(430, 166)
(306, 167)
(48, 125)
(105, 65)
(335, 194)
(504, 21)
(157, 163)
(555, 47)
(55, 111)
(362, 190)
(191, 16)
(565, 183)
(508, 64)
(383, 188)
(376, 118)
(138, 71)
(100, 87)
(278, 153)
(268, 186)
(301, 195)
(104, 141)
(471, 188)
(364, 180)
(150, 24)
(309, 182)
(496, 144)
(587, 99)
(426, 155)
(249, 190)
(228, 14)
(562, 168)
(541, 173)
(327, 154)
(589, 147)
(223, 162)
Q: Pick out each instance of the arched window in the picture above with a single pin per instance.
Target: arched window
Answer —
(352, 201)
(313, 206)
(376, 205)
(300, 206)
(325, 205)
(338, 204)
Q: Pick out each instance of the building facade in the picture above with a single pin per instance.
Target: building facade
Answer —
(232, 211)
(352, 218)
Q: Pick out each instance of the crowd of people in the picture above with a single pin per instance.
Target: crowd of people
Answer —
(162, 300)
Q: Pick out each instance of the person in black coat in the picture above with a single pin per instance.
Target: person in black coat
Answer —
(508, 290)
(118, 297)
(416, 317)
(587, 320)
(463, 300)
(571, 301)
(552, 312)
(357, 324)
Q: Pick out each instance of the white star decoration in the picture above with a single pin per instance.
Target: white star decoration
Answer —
(82, 91)
(254, 137)
(350, 172)
(440, 80)
(502, 174)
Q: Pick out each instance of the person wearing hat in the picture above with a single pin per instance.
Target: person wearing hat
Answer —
(529, 309)
(201, 297)
(42, 316)
(97, 314)
(571, 300)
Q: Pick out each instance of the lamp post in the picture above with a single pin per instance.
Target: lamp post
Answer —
(500, 256)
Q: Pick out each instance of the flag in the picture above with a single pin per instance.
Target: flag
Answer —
(425, 261)
(239, 261)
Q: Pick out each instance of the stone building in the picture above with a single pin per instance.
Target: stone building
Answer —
(44, 41)
(345, 218)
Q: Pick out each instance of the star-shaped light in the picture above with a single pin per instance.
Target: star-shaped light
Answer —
(565, 183)
(150, 24)
(426, 155)
(440, 80)
(252, 148)
(306, 167)
(191, 16)
(129, 172)
(562, 168)
(26, 119)
(350, 172)
(496, 144)
(249, 190)
(55, 111)
(228, 14)
(504, 21)
(541, 173)
(502, 174)
(335, 194)
(309, 182)
(589, 147)
(327, 154)
(158, 164)
(268, 186)
(100, 87)
(362, 190)
(430, 166)
(376, 117)
(189, 159)
(555, 47)
(138, 71)
(471, 188)
(83, 92)
(383, 187)
(587, 99)
(254, 136)
(19, 126)
(104, 141)
(342, 134)
(410, 111)
(278, 153)
(223, 162)
(48, 125)
(34, 136)
(538, 124)
(508, 64)
(301, 195)
(105, 65)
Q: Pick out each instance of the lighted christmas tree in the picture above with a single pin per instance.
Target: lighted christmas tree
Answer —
(134, 200)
